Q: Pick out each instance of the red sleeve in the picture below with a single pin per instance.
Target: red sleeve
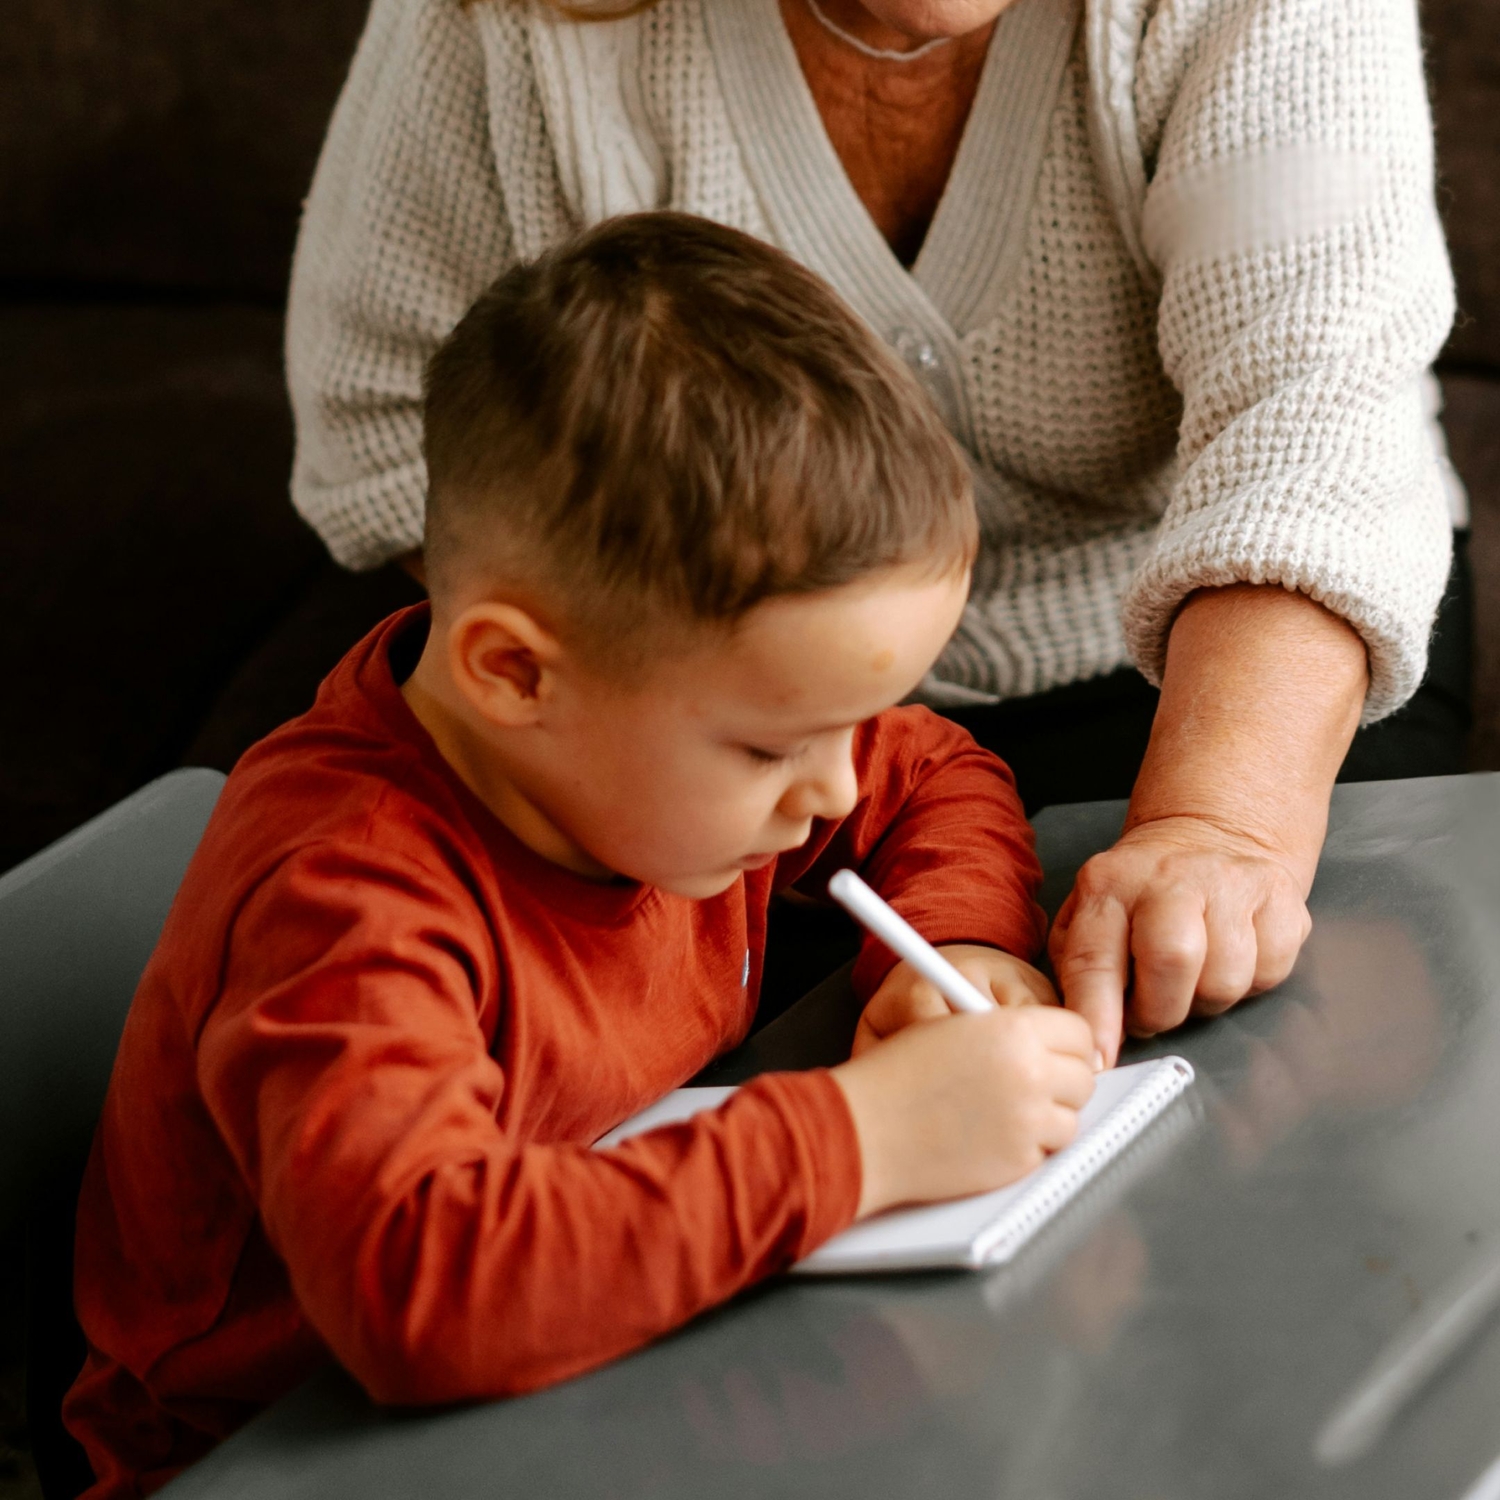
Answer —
(438, 1256)
(940, 832)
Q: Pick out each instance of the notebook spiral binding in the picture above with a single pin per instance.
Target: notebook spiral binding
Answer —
(1005, 1282)
(1058, 1180)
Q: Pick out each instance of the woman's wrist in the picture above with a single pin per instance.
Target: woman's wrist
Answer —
(1261, 696)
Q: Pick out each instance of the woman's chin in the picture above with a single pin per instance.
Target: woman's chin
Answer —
(926, 20)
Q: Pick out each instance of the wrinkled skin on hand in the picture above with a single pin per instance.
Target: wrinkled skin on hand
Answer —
(1178, 919)
(1203, 900)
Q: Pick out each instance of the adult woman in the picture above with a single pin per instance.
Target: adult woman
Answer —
(1170, 269)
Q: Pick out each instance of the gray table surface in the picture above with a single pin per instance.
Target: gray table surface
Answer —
(1186, 1330)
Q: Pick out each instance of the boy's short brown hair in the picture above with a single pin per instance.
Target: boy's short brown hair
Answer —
(665, 420)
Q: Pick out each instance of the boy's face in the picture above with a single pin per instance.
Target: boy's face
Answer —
(723, 755)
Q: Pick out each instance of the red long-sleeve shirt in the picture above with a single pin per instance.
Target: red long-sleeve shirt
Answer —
(353, 1103)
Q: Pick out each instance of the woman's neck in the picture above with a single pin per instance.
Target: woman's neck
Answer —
(895, 125)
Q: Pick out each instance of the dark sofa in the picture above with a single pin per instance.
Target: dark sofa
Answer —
(161, 597)
(153, 158)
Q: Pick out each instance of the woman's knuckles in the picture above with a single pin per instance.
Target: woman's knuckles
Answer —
(1171, 959)
(1107, 878)
(1153, 1011)
(1217, 1002)
(1223, 986)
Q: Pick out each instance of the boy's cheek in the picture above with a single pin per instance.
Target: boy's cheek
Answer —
(686, 827)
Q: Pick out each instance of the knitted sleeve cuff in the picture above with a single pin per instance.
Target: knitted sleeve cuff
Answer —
(1384, 580)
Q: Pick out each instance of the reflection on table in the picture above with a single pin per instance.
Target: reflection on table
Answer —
(1182, 1336)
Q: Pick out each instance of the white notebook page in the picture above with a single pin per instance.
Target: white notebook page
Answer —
(991, 1227)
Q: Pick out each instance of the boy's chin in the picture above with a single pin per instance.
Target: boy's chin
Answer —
(700, 887)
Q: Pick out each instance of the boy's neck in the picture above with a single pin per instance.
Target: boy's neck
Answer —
(479, 762)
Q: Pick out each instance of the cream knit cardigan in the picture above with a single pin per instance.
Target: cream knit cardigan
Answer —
(1177, 303)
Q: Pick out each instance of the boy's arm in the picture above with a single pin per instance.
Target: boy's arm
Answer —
(940, 832)
(440, 1257)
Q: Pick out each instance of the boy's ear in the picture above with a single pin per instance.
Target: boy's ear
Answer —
(502, 661)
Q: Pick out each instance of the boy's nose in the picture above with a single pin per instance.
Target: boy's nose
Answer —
(829, 789)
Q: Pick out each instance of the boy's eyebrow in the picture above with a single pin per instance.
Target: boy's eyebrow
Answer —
(807, 731)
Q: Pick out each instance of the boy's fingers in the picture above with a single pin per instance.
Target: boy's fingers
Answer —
(1005, 978)
(1064, 1033)
(908, 998)
(922, 1002)
(1092, 962)
(1073, 1084)
(894, 1008)
(1061, 1128)
(1022, 986)
(1011, 988)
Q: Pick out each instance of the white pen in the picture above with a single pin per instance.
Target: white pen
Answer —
(906, 942)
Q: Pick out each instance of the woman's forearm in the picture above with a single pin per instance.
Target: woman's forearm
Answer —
(1261, 696)
(1203, 899)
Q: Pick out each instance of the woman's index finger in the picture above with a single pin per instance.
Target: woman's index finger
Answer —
(1092, 965)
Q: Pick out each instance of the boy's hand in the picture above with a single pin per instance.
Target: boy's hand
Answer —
(905, 997)
(966, 1103)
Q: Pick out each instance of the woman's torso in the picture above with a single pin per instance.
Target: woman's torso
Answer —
(1023, 314)
(470, 137)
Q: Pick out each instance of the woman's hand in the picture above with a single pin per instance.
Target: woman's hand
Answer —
(1185, 919)
(905, 997)
(1203, 899)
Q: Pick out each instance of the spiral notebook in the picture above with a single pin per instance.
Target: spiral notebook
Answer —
(990, 1228)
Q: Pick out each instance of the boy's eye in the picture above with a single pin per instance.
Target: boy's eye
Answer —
(764, 757)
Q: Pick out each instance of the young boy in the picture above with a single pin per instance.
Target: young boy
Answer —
(691, 533)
